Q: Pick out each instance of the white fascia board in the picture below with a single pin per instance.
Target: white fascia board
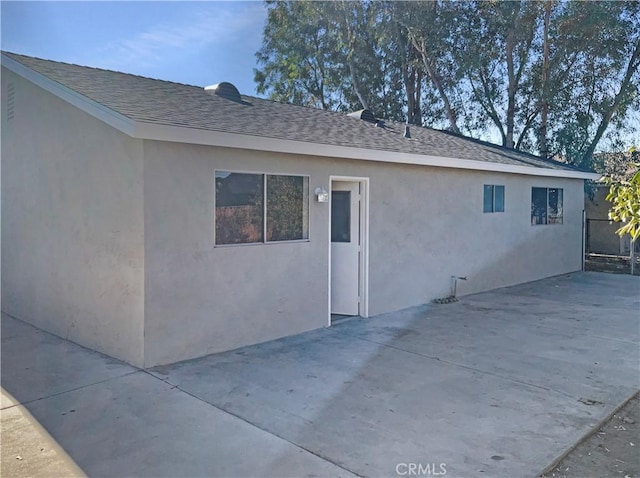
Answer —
(178, 134)
(93, 108)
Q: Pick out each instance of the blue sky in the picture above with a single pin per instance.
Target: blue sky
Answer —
(198, 43)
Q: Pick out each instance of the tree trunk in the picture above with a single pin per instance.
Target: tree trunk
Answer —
(435, 79)
(417, 106)
(407, 78)
(412, 78)
(544, 106)
(632, 67)
(356, 84)
(511, 91)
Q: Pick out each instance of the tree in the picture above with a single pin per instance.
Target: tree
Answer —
(543, 89)
(298, 55)
(394, 44)
(330, 55)
(595, 48)
(553, 77)
(625, 200)
(497, 54)
(373, 71)
(429, 27)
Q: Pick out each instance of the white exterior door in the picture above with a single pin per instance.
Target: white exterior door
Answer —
(345, 247)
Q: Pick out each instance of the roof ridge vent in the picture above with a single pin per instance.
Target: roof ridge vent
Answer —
(225, 90)
(365, 115)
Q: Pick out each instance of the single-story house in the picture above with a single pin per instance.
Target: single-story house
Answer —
(155, 221)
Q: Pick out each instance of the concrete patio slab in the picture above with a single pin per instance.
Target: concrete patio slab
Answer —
(136, 425)
(28, 449)
(498, 384)
(371, 407)
(115, 420)
(38, 364)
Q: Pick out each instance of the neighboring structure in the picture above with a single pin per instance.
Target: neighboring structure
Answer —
(600, 232)
(155, 221)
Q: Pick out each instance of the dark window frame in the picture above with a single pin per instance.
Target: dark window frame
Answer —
(266, 217)
(494, 207)
(340, 223)
(545, 214)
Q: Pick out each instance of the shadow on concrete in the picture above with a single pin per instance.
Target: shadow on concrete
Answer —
(498, 384)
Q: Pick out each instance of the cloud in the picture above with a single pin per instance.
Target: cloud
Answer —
(218, 23)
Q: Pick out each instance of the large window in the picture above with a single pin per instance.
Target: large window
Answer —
(254, 208)
(493, 198)
(546, 206)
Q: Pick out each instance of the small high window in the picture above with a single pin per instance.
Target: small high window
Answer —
(493, 198)
(255, 208)
(546, 206)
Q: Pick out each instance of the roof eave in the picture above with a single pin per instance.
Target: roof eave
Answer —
(180, 134)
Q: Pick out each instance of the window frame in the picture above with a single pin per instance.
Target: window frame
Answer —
(264, 240)
(493, 198)
(558, 218)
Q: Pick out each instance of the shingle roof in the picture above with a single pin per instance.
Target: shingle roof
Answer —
(163, 102)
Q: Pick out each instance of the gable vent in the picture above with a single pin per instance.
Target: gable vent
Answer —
(10, 101)
(225, 90)
(365, 115)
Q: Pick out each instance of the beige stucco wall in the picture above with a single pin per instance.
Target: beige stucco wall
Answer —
(426, 224)
(108, 241)
(440, 231)
(202, 299)
(72, 224)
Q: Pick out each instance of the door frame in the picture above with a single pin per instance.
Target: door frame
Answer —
(363, 260)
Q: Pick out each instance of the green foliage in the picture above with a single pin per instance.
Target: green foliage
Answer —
(554, 77)
(594, 74)
(625, 200)
(296, 55)
(329, 55)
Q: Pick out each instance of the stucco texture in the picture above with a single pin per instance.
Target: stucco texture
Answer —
(109, 241)
(72, 224)
(426, 224)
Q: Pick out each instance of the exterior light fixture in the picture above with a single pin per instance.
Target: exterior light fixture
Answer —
(322, 195)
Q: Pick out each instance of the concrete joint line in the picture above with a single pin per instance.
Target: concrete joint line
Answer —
(177, 387)
(71, 390)
(547, 389)
(587, 435)
(573, 327)
(612, 339)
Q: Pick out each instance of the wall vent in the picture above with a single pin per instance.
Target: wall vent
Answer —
(11, 100)
(224, 90)
(365, 115)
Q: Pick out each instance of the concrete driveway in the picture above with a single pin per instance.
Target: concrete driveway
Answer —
(498, 384)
